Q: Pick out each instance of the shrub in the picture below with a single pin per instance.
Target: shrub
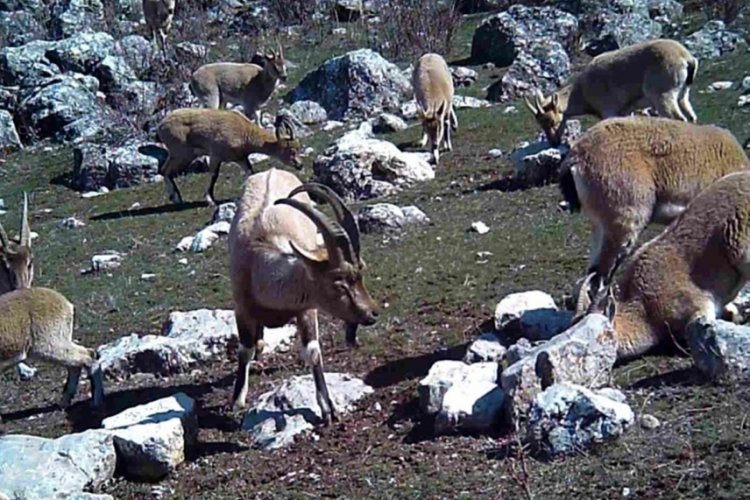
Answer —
(415, 27)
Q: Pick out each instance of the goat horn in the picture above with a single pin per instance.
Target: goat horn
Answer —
(25, 229)
(532, 107)
(281, 49)
(584, 302)
(539, 97)
(334, 235)
(343, 214)
(4, 242)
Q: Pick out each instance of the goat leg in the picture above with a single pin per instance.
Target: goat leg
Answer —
(71, 386)
(327, 409)
(351, 335)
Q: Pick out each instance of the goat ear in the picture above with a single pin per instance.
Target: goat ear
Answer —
(311, 259)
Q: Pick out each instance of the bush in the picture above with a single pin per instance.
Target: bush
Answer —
(726, 10)
(415, 27)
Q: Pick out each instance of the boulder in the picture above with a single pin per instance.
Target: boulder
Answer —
(541, 324)
(71, 17)
(513, 306)
(224, 212)
(137, 52)
(386, 123)
(487, 347)
(114, 73)
(444, 374)
(584, 354)
(309, 112)
(543, 65)
(151, 439)
(291, 408)
(358, 84)
(360, 167)
(97, 165)
(665, 11)
(474, 6)
(713, 40)
(27, 65)
(9, 139)
(519, 350)
(81, 53)
(8, 98)
(19, 27)
(36, 467)
(566, 419)
(720, 349)
(190, 339)
(385, 217)
(502, 37)
(63, 109)
(462, 76)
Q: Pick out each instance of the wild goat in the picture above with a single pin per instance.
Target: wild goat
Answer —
(279, 271)
(37, 323)
(692, 269)
(628, 172)
(16, 260)
(433, 91)
(657, 73)
(159, 15)
(224, 136)
(251, 85)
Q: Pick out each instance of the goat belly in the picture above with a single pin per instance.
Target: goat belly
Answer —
(272, 318)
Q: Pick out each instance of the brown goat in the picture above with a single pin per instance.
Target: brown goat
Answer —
(16, 260)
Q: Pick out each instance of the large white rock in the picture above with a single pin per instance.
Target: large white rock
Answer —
(513, 306)
(190, 339)
(471, 406)
(585, 355)
(720, 349)
(444, 374)
(35, 467)
(291, 408)
(567, 419)
(151, 439)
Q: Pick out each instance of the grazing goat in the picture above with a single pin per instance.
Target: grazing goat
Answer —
(280, 272)
(159, 15)
(251, 85)
(627, 172)
(16, 260)
(37, 323)
(657, 73)
(224, 136)
(433, 91)
(693, 269)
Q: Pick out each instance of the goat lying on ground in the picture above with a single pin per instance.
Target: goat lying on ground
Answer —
(433, 91)
(693, 269)
(16, 260)
(627, 172)
(251, 85)
(656, 73)
(223, 136)
(279, 272)
(37, 323)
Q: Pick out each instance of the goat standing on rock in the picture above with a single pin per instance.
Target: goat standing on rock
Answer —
(279, 272)
(657, 73)
(433, 91)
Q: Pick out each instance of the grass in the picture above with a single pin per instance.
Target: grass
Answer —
(438, 294)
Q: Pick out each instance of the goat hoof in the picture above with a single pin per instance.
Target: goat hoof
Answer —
(239, 406)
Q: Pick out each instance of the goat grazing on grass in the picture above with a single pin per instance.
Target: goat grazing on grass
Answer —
(627, 172)
(279, 272)
(159, 15)
(657, 73)
(433, 91)
(224, 136)
(251, 85)
(16, 260)
(691, 270)
(37, 323)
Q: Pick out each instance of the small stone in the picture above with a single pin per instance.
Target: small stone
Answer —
(148, 277)
(224, 212)
(515, 305)
(332, 125)
(338, 31)
(185, 244)
(203, 241)
(72, 223)
(26, 372)
(106, 261)
(720, 349)
(480, 227)
(485, 348)
(183, 261)
(722, 85)
(444, 374)
(649, 422)
(746, 85)
(385, 123)
(743, 101)
(495, 153)
(510, 110)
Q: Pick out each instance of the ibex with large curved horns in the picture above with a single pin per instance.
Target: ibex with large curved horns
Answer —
(279, 272)
(16, 260)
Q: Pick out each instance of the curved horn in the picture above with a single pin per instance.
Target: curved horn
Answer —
(334, 235)
(343, 215)
(584, 300)
(4, 241)
(532, 107)
(539, 99)
(281, 49)
(25, 229)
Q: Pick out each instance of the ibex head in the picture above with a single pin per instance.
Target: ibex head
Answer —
(16, 260)
(288, 144)
(275, 63)
(549, 115)
(336, 267)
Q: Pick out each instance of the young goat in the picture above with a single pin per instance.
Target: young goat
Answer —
(251, 85)
(628, 172)
(692, 269)
(16, 260)
(159, 15)
(37, 323)
(433, 91)
(657, 73)
(223, 136)
(279, 272)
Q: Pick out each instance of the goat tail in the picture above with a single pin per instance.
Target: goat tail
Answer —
(568, 187)
(692, 69)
